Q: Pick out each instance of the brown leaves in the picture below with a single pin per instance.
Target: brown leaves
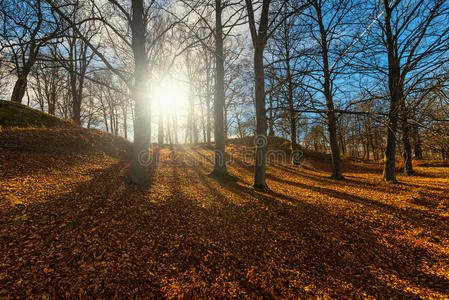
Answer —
(70, 227)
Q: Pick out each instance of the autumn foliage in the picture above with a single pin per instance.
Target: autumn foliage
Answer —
(71, 226)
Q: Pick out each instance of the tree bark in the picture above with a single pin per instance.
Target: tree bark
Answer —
(331, 118)
(407, 155)
(139, 169)
(19, 88)
(271, 117)
(389, 172)
(291, 107)
(417, 149)
(219, 99)
(259, 38)
(261, 123)
(76, 107)
(208, 100)
(21, 84)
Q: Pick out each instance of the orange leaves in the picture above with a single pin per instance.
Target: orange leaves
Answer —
(84, 232)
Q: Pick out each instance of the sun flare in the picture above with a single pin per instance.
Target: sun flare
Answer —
(170, 96)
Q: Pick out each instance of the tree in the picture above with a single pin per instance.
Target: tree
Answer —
(132, 44)
(261, 31)
(139, 172)
(332, 27)
(219, 99)
(27, 27)
(259, 38)
(405, 50)
(286, 74)
(220, 31)
(75, 56)
(47, 85)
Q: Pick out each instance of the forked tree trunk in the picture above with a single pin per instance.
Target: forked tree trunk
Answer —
(19, 88)
(140, 158)
(219, 101)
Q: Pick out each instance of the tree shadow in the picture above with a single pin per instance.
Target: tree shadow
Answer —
(410, 215)
(318, 217)
(189, 229)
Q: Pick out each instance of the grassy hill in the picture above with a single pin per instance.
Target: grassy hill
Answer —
(14, 114)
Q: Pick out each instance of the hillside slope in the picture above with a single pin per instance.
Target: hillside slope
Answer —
(14, 114)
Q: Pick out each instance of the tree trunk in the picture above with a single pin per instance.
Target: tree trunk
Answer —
(271, 118)
(331, 118)
(169, 133)
(417, 149)
(208, 107)
(175, 128)
(342, 142)
(160, 128)
(335, 149)
(225, 122)
(261, 123)
(208, 122)
(139, 166)
(125, 120)
(389, 172)
(19, 88)
(407, 155)
(203, 123)
(52, 103)
(219, 99)
(291, 108)
(76, 115)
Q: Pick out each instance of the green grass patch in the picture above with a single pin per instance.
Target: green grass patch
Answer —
(14, 114)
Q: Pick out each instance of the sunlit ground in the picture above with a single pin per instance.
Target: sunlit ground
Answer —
(76, 229)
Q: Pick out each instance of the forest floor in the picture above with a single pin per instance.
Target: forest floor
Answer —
(71, 227)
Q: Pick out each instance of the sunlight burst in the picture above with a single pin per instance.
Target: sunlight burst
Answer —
(170, 96)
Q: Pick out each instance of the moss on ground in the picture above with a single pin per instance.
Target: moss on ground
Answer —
(14, 114)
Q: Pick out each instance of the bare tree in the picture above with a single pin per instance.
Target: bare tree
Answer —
(130, 34)
(27, 26)
(261, 30)
(331, 26)
(75, 56)
(48, 85)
